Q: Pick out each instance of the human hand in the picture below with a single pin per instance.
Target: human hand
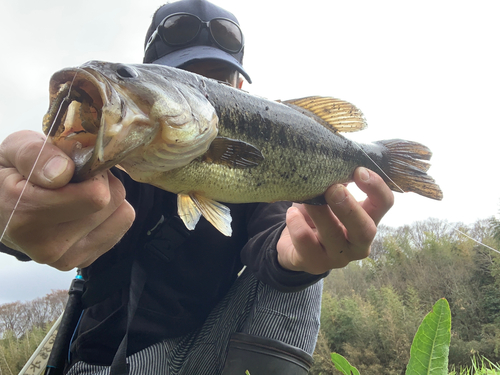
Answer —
(320, 238)
(62, 224)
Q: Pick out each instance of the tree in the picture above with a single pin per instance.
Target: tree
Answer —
(13, 318)
(495, 227)
(20, 317)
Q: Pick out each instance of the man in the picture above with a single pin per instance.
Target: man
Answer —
(170, 298)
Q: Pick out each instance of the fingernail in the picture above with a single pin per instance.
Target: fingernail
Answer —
(55, 167)
(364, 174)
(339, 195)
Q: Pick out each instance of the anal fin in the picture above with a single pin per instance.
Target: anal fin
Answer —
(188, 211)
(191, 207)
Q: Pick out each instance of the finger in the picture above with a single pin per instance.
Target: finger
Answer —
(333, 235)
(68, 203)
(301, 233)
(303, 209)
(74, 201)
(99, 241)
(330, 229)
(25, 151)
(113, 197)
(379, 199)
(310, 252)
(296, 237)
(360, 229)
(125, 215)
(47, 240)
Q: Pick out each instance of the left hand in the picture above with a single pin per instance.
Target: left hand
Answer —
(320, 238)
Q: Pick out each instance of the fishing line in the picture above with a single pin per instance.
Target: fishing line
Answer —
(448, 225)
(473, 239)
(36, 160)
(373, 161)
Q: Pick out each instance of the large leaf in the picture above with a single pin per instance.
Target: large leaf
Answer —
(431, 345)
(343, 365)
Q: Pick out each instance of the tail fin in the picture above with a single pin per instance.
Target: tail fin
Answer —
(407, 170)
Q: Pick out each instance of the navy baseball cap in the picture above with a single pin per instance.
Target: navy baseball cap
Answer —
(202, 47)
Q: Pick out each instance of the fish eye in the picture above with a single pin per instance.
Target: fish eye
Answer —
(125, 71)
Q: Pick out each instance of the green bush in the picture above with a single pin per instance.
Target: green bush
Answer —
(372, 308)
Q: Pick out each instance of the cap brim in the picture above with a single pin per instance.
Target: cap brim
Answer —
(193, 54)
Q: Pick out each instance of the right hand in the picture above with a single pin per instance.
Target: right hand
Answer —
(62, 224)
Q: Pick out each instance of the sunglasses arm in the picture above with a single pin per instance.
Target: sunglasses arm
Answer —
(151, 40)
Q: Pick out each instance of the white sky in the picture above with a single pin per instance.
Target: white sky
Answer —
(425, 71)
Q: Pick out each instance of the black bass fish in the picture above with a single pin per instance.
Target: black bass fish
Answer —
(211, 143)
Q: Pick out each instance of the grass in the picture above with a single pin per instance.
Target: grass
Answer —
(480, 366)
(430, 348)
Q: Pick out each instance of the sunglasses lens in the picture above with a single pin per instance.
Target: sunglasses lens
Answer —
(227, 34)
(180, 29)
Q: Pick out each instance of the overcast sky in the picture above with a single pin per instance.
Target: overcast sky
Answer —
(426, 71)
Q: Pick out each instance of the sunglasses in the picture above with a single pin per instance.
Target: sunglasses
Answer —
(182, 28)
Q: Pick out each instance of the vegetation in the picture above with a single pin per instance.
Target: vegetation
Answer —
(23, 325)
(15, 351)
(479, 366)
(430, 348)
(17, 318)
(372, 308)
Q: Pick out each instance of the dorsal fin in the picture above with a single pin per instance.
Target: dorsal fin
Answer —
(335, 114)
(232, 153)
(191, 207)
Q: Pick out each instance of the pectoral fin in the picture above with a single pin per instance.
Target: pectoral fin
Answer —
(334, 114)
(233, 153)
(191, 207)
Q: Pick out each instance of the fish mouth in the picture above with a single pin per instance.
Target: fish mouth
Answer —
(75, 114)
(67, 88)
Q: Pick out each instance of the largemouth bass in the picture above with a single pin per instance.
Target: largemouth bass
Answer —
(209, 143)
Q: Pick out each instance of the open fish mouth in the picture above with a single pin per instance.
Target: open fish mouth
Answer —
(75, 114)
(90, 109)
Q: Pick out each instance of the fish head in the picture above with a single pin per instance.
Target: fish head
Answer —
(104, 114)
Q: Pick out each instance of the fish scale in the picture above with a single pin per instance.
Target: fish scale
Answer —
(287, 140)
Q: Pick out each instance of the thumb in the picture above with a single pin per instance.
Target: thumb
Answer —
(27, 152)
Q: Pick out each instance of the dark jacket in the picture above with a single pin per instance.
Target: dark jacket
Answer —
(188, 272)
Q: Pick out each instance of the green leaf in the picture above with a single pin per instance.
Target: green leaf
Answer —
(431, 345)
(343, 365)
